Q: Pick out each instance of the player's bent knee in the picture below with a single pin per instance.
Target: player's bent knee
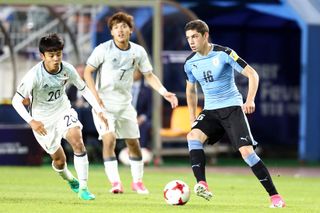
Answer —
(196, 134)
(192, 135)
(78, 147)
(245, 151)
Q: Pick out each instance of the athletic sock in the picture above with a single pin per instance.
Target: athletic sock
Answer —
(111, 169)
(263, 175)
(64, 173)
(198, 164)
(136, 165)
(81, 165)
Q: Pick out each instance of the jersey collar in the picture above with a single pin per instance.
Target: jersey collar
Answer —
(60, 69)
(129, 46)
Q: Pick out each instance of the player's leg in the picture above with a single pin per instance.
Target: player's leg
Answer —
(59, 165)
(136, 165)
(111, 162)
(129, 129)
(196, 139)
(51, 143)
(205, 128)
(81, 163)
(261, 172)
(238, 130)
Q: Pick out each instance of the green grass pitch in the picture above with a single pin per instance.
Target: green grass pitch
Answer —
(39, 189)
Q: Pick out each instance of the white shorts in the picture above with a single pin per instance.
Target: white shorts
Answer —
(122, 122)
(57, 130)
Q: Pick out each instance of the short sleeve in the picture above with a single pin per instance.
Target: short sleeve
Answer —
(26, 85)
(97, 56)
(144, 63)
(75, 78)
(189, 75)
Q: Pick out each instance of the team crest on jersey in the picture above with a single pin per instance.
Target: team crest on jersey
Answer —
(64, 79)
(234, 55)
(215, 61)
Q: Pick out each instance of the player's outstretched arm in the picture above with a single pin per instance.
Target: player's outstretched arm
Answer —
(155, 83)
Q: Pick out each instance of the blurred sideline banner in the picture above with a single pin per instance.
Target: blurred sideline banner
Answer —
(17, 143)
(18, 146)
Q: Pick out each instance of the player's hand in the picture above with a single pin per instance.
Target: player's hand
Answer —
(172, 98)
(103, 119)
(38, 127)
(248, 107)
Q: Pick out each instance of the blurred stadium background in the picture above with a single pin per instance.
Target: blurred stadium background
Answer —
(279, 38)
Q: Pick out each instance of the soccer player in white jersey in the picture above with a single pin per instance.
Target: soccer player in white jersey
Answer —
(51, 116)
(213, 67)
(117, 59)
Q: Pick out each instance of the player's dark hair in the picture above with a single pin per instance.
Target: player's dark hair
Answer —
(51, 43)
(198, 25)
(120, 17)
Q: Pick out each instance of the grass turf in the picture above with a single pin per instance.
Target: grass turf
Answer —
(39, 189)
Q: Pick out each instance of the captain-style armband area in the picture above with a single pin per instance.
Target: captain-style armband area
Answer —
(162, 90)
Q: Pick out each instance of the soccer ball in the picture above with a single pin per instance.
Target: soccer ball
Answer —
(147, 156)
(176, 192)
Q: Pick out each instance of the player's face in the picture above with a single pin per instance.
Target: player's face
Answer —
(197, 42)
(52, 60)
(121, 33)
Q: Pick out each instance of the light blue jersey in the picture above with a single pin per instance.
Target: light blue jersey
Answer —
(215, 74)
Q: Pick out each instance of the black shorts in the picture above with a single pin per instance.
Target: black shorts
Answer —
(230, 120)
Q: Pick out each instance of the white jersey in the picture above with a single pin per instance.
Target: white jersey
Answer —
(115, 73)
(47, 91)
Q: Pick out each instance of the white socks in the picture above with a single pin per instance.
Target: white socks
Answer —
(136, 170)
(81, 165)
(111, 170)
(64, 173)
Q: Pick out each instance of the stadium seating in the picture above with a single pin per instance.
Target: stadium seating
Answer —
(179, 124)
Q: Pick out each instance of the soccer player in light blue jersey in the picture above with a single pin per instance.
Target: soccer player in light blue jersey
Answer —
(51, 116)
(213, 67)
